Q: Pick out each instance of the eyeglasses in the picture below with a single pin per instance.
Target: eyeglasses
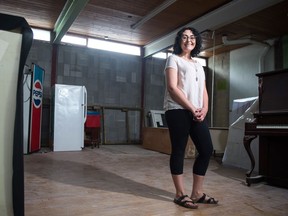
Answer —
(186, 37)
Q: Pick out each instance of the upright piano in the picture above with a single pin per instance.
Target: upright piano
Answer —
(270, 123)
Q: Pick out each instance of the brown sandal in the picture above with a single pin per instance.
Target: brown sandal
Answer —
(185, 203)
(206, 200)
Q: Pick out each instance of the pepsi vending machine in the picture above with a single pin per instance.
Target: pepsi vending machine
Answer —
(33, 109)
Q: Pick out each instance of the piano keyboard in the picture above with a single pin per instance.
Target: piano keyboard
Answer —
(272, 126)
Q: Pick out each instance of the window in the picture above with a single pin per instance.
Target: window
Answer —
(44, 35)
(39, 34)
(161, 55)
(74, 40)
(114, 47)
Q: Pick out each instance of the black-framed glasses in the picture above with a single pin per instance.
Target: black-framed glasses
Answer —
(186, 37)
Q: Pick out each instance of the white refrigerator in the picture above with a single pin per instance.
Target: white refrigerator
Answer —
(69, 113)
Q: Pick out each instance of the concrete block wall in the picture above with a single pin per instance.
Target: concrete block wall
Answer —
(41, 54)
(111, 79)
(154, 85)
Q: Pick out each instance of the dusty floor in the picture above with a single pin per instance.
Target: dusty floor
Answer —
(129, 180)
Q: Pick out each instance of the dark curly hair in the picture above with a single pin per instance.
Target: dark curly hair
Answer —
(177, 44)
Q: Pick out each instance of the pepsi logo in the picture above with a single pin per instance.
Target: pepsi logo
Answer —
(37, 94)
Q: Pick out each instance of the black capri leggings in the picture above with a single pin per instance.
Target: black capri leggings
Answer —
(181, 124)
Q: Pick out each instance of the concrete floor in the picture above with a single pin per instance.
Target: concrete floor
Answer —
(129, 180)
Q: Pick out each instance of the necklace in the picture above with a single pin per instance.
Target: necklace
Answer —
(196, 69)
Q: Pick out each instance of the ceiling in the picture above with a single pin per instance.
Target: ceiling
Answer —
(258, 20)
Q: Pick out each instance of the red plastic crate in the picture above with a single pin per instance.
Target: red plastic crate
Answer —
(93, 120)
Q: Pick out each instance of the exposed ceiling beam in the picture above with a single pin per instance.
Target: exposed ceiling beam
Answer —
(69, 13)
(153, 13)
(224, 15)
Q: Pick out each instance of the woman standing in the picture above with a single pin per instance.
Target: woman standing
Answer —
(186, 105)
